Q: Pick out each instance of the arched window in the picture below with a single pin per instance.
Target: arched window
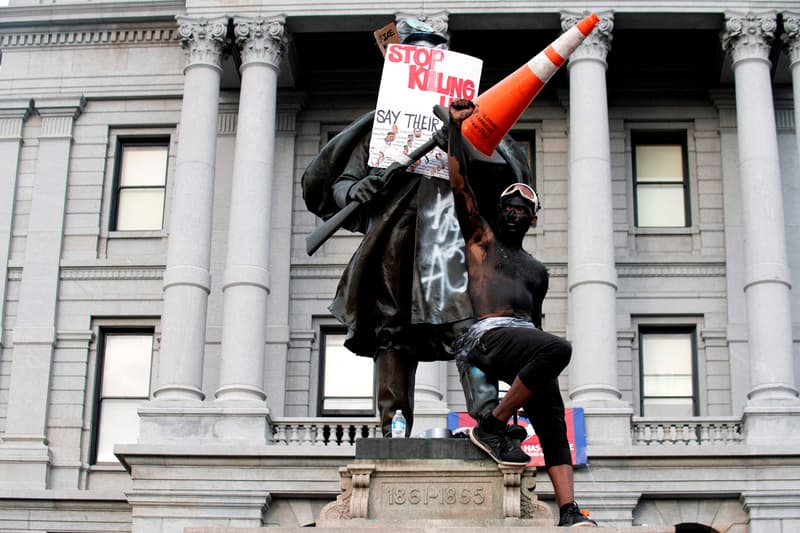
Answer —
(694, 527)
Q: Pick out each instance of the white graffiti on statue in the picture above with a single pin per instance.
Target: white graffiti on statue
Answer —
(446, 246)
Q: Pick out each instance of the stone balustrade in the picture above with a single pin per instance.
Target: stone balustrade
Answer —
(652, 433)
(314, 431)
(700, 432)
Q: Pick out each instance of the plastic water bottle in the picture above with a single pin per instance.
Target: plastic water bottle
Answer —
(398, 425)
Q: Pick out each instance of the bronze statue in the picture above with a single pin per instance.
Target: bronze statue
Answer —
(384, 297)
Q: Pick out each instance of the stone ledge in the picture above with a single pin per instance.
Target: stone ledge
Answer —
(450, 448)
(435, 528)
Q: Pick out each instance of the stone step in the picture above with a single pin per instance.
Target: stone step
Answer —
(434, 528)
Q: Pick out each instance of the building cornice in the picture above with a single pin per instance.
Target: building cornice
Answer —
(465, 7)
(165, 33)
(670, 270)
(100, 13)
(123, 11)
(101, 273)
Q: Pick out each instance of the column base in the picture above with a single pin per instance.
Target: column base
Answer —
(609, 508)
(772, 425)
(220, 421)
(24, 463)
(608, 426)
(429, 417)
(240, 393)
(773, 511)
(192, 485)
(777, 394)
(430, 407)
(171, 510)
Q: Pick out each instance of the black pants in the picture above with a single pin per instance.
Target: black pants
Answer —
(537, 358)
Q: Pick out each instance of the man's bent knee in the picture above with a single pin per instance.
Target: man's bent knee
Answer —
(480, 391)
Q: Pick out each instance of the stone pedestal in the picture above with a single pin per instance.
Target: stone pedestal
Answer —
(404, 485)
(422, 482)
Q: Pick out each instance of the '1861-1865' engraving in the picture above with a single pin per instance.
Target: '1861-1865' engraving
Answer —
(434, 494)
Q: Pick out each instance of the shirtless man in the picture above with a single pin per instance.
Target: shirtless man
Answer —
(507, 287)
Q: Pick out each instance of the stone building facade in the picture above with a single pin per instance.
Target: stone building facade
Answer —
(165, 337)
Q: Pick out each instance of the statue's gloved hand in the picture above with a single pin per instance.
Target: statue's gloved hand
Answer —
(364, 190)
(440, 136)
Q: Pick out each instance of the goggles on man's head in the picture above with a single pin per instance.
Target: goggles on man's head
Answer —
(525, 191)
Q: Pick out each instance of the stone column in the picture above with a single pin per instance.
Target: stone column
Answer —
(592, 275)
(12, 117)
(791, 38)
(766, 280)
(766, 287)
(246, 284)
(34, 330)
(430, 403)
(187, 279)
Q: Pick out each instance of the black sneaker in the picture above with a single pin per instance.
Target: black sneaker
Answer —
(499, 446)
(572, 516)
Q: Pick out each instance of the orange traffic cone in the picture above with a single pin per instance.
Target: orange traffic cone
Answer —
(499, 108)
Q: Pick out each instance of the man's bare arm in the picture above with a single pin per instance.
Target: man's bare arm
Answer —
(469, 217)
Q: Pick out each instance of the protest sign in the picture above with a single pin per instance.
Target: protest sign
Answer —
(414, 79)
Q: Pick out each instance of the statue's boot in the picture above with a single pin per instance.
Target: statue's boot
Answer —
(480, 389)
(396, 378)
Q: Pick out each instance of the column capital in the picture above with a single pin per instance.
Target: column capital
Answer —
(749, 35)
(58, 114)
(58, 106)
(203, 39)
(598, 43)
(262, 40)
(13, 113)
(16, 108)
(791, 36)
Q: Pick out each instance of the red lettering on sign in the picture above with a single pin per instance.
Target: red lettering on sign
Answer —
(416, 55)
